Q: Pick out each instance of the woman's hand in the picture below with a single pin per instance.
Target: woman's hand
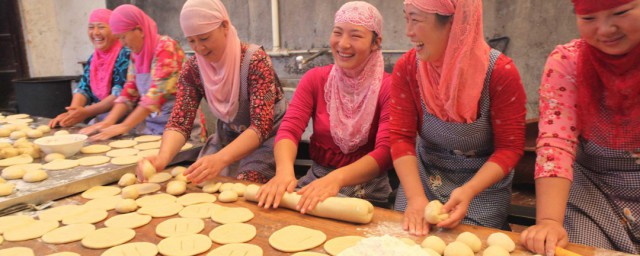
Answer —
(110, 132)
(544, 237)
(414, 220)
(94, 128)
(157, 163)
(270, 194)
(457, 207)
(316, 192)
(205, 168)
(57, 121)
(75, 115)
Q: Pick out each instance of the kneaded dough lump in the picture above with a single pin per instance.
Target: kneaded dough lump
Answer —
(502, 240)
(433, 212)
(470, 240)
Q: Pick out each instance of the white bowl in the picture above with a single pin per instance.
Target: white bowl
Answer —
(68, 145)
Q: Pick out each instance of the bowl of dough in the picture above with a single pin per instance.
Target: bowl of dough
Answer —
(68, 145)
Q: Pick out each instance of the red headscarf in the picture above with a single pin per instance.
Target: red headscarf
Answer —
(128, 17)
(591, 6)
(102, 62)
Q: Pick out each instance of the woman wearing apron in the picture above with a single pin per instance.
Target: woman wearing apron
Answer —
(348, 102)
(242, 90)
(151, 79)
(457, 118)
(103, 78)
(588, 169)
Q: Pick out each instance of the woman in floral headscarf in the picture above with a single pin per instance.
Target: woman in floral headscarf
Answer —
(104, 74)
(587, 170)
(348, 102)
(457, 118)
(151, 79)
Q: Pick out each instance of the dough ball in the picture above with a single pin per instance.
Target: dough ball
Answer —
(431, 252)
(181, 177)
(44, 128)
(6, 189)
(35, 176)
(4, 132)
(435, 243)
(239, 188)
(495, 250)
(61, 132)
(458, 248)
(228, 196)
(130, 193)
(13, 173)
(502, 240)
(29, 151)
(126, 205)
(53, 156)
(8, 152)
(176, 187)
(5, 145)
(19, 141)
(17, 134)
(433, 212)
(211, 187)
(2, 180)
(226, 186)
(147, 169)
(127, 179)
(470, 240)
(34, 134)
(178, 170)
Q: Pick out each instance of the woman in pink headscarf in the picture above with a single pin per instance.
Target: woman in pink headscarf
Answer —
(348, 102)
(149, 92)
(457, 118)
(587, 170)
(242, 90)
(104, 75)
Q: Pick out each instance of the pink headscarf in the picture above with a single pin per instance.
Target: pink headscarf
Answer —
(352, 95)
(591, 6)
(102, 62)
(451, 90)
(128, 17)
(221, 79)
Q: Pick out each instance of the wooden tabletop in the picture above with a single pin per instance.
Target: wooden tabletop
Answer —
(385, 221)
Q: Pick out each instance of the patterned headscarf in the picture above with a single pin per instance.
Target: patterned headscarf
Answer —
(451, 91)
(591, 6)
(128, 17)
(102, 62)
(352, 95)
(221, 79)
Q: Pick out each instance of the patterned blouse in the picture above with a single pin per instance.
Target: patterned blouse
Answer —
(264, 92)
(167, 62)
(118, 77)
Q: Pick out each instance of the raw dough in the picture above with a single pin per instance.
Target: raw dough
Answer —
(35, 176)
(433, 212)
(123, 143)
(430, 252)
(408, 241)
(435, 243)
(9, 222)
(4, 132)
(128, 220)
(95, 149)
(53, 156)
(186, 146)
(60, 164)
(61, 132)
(495, 250)
(161, 210)
(295, 238)
(458, 248)
(21, 159)
(126, 205)
(239, 188)
(340, 208)
(148, 152)
(147, 138)
(146, 188)
(17, 251)
(107, 237)
(93, 160)
(224, 215)
(178, 170)
(148, 145)
(202, 211)
(125, 160)
(34, 134)
(228, 196)
(86, 216)
(100, 191)
(470, 240)
(211, 186)
(127, 179)
(190, 244)
(130, 193)
(148, 170)
(155, 200)
(339, 244)
(104, 203)
(179, 226)
(122, 152)
(233, 233)
(6, 189)
(59, 212)
(196, 198)
(237, 249)
(2, 180)
(44, 128)
(67, 234)
(160, 177)
(17, 134)
(13, 172)
(30, 231)
(226, 186)
(17, 116)
(177, 187)
(64, 254)
(310, 254)
(502, 240)
(181, 177)
(133, 249)
(8, 152)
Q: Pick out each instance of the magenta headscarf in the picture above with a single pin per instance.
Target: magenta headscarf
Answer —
(102, 62)
(451, 90)
(221, 79)
(128, 17)
(591, 6)
(352, 95)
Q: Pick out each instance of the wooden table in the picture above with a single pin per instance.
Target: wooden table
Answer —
(385, 221)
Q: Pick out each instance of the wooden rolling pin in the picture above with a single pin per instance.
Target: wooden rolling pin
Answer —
(564, 252)
(338, 208)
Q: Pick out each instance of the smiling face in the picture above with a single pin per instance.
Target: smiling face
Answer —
(100, 35)
(428, 35)
(133, 39)
(614, 31)
(352, 44)
(210, 45)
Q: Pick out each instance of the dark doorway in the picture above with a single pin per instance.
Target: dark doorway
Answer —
(13, 63)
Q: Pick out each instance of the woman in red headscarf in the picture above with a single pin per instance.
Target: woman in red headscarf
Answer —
(587, 170)
(348, 102)
(104, 75)
(457, 118)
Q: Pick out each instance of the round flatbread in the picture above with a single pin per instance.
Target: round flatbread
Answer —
(87, 216)
(137, 249)
(93, 160)
(105, 203)
(237, 249)
(58, 213)
(179, 226)
(196, 198)
(161, 210)
(145, 188)
(160, 177)
(95, 149)
(128, 220)
(9, 222)
(155, 199)
(122, 152)
(60, 164)
(67, 234)
(224, 215)
(233, 233)
(338, 244)
(190, 244)
(295, 238)
(100, 192)
(30, 231)
(17, 251)
(147, 138)
(148, 145)
(123, 143)
(107, 237)
(125, 160)
(202, 211)
(21, 159)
